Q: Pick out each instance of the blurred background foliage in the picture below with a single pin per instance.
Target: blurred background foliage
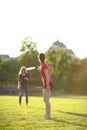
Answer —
(69, 73)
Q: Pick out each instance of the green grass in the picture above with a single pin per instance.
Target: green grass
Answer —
(68, 113)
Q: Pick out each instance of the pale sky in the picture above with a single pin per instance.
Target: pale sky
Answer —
(44, 21)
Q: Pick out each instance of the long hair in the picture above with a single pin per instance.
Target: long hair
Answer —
(21, 70)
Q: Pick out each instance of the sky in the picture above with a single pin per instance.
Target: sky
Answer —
(45, 21)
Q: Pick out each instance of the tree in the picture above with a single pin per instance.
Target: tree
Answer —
(27, 45)
(9, 71)
(29, 53)
(59, 62)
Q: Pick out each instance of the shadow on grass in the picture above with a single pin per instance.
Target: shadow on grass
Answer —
(71, 113)
(66, 122)
(75, 97)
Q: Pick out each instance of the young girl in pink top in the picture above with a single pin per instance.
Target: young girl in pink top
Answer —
(47, 83)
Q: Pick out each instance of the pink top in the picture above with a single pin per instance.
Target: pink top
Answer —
(44, 66)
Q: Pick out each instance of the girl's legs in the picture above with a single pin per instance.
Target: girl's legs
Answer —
(26, 93)
(20, 99)
(46, 96)
(20, 95)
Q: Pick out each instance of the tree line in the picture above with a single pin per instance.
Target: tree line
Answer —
(69, 75)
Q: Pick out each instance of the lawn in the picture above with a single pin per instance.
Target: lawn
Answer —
(67, 112)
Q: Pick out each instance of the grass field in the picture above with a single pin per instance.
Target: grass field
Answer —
(68, 113)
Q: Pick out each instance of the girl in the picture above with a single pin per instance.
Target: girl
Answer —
(23, 78)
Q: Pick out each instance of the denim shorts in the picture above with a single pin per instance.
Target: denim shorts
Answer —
(21, 91)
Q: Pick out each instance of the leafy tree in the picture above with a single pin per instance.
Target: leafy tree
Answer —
(29, 53)
(27, 45)
(59, 62)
